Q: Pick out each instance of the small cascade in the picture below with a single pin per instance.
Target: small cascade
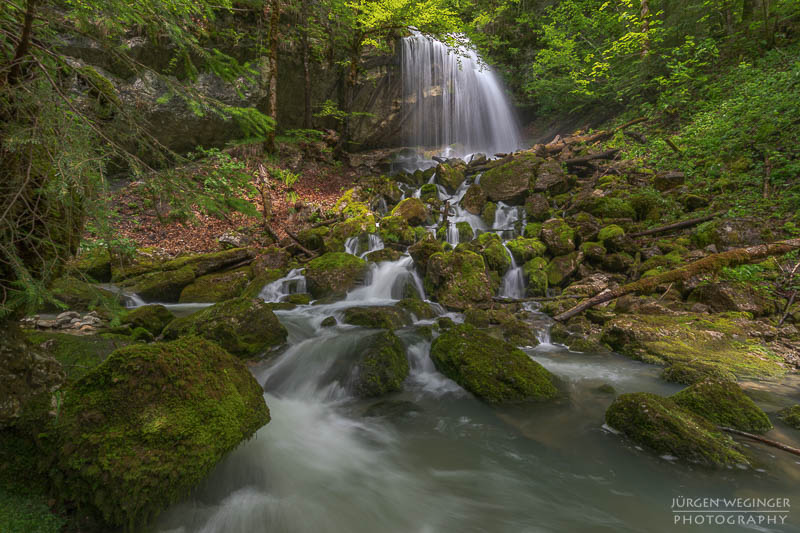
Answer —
(351, 245)
(456, 103)
(452, 234)
(133, 300)
(513, 280)
(374, 243)
(387, 281)
(505, 219)
(293, 282)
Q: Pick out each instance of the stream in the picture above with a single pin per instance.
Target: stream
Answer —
(433, 458)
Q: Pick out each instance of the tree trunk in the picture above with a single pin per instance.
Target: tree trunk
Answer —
(351, 80)
(306, 77)
(711, 263)
(24, 43)
(645, 16)
(272, 62)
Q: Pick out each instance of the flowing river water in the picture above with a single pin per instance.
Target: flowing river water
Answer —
(433, 458)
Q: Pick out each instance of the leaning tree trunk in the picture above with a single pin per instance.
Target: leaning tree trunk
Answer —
(711, 263)
(272, 82)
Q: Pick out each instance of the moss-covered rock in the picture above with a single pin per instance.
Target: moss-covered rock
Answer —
(78, 295)
(313, 238)
(557, 236)
(733, 296)
(495, 255)
(412, 210)
(429, 193)
(730, 233)
(609, 232)
(537, 207)
(142, 429)
(450, 176)
(153, 318)
(334, 273)
(202, 264)
(532, 230)
(561, 268)
(665, 428)
(384, 254)
(524, 249)
(474, 199)
(422, 250)
(609, 207)
(493, 370)
(382, 366)
(593, 251)
(161, 286)
(421, 310)
(725, 404)
(488, 213)
(550, 178)
(459, 279)
(352, 227)
(243, 326)
(94, 264)
(618, 262)
(586, 226)
(791, 416)
(216, 287)
(694, 372)
(377, 316)
(535, 272)
(509, 182)
(395, 230)
(77, 354)
(716, 341)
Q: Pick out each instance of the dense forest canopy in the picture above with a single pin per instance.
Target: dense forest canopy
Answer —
(67, 128)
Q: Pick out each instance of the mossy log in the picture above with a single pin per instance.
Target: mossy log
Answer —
(710, 263)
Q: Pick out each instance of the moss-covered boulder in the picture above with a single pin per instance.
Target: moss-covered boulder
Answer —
(693, 372)
(202, 264)
(662, 426)
(384, 254)
(488, 213)
(730, 233)
(153, 318)
(557, 236)
(458, 279)
(609, 207)
(733, 296)
(493, 370)
(537, 207)
(395, 230)
(450, 176)
(77, 354)
(313, 238)
(381, 367)
(412, 210)
(352, 227)
(791, 416)
(377, 316)
(550, 178)
(94, 264)
(725, 404)
(593, 251)
(420, 309)
(243, 326)
(78, 295)
(618, 262)
(509, 182)
(494, 254)
(142, 429)
(334, 273)
(161, 286)
(524, 249)
(535, 272)
(561, 268)
(609, 232)
(216, 287)
(429, 193)
(717, 341)
(422, 250)
(474, 199)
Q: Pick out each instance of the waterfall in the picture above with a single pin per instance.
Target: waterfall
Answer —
(293, 282)
(455, 101)
(514, 280)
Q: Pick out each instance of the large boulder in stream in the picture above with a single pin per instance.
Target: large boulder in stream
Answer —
(412, 210)
(153, 318)
(334, 273)
(243, 326)
(377, 316)
(510, 181)
(216, 287)
(138, 432)
(381, 367)
(458, 279)
(725, 404)
(450, 175)
(422, 250)
(662, 426)
(493, 370)
(474, 199)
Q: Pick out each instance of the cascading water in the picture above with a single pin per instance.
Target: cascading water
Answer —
(432, 458)
(455, 101)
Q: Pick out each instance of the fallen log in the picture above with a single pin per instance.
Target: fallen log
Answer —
(532, 299)
(709, 263)
(677, 225)
(559, 143)
(297, 243)
(578, 161)
(759, 438)
(672, 145)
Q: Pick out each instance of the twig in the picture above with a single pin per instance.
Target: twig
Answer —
(759, 438)
(672, 145)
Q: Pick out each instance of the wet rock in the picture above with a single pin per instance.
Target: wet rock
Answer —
(493, 370)
(474, 199)
(395, 230)
(380, 317)
(450, 176)
(524, 249)
(385, 254)
(334, 273)
(557, 236)
(164, 286)
(791, 416)
(422, 250)
(488, 213)
(328, 321)
(725, 404)
(509, 182)
(234, 239)
(420, 309)
(243, 326)
(495, 255)
(665, 428)
(392, 409)
(458, 279)
(153, 318)
(412, 210)
(382, 366)
(152, 420)
(561, 268)
(535, 272)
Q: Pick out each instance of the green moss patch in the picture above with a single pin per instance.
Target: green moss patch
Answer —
(334, 273)
(725, 404)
